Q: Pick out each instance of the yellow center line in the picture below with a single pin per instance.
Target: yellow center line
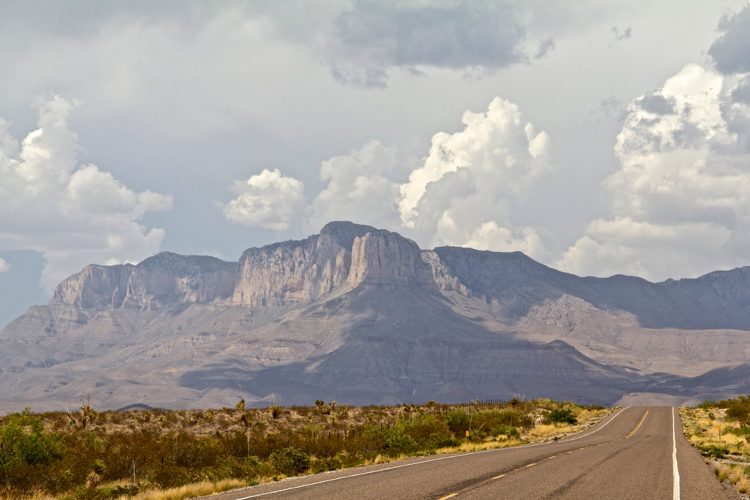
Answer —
(640, 422)
(499, 477)
(550, 458)
(531, 465)
(448, 496)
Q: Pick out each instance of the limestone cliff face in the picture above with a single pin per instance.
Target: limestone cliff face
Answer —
(297, 271)
(346, 255)
(342, 255)
(169, 278)
(443, 278)
(95, 287)
(156, 283)
(386, 257)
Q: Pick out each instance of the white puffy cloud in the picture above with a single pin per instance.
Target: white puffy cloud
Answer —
(681, 197)
(462, 193)
(4, 266)
(269, 200)
(73, 214)
(362, 186)
(490, 236)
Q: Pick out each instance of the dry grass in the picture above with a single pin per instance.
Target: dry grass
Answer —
(586, 419)
(743, 485)
(710, 427)
(720, 439)
(722, 471)
(30, 496)
(189, 490)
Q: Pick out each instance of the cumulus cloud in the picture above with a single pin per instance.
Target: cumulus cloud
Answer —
(462, 193)
(269, 200)
(4, 266)
(372, 38)
(681, 197)
(490, 236)
(730, 50)
(361, 186)
(73, 214)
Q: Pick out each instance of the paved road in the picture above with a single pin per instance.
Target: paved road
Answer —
(639, 453)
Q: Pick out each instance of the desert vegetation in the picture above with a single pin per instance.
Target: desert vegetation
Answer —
(183, 453)
(721, 431)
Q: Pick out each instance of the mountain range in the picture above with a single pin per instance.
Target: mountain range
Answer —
(364, 316)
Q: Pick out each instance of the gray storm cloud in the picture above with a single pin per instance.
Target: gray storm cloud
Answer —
(373, 37)
(731, 50)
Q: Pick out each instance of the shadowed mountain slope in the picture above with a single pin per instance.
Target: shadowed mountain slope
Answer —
(363, 315)
(719, 300)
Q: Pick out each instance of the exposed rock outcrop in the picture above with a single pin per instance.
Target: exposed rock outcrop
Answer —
(95, 287)
(361, 314)
(297, 271)
(343, 255)
(156, 283)
(386, 257)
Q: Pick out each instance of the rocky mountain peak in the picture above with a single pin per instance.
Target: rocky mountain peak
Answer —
(385, 257)
(95, 287)
(191, 328)
(344, 254)
(155, 283)
(344, 232)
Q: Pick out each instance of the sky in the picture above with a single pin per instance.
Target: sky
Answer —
(598, 137)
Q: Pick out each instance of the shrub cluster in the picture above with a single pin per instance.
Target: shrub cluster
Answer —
(737, 409)
(562, 416)
(108, 454)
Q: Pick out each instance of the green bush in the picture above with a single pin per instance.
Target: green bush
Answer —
(562, 416)
(739, 409)
(429, 431)
(714, 451)
(391, 441)
(290, 461)
(23, 441)
(458, 422)
(325, 464)
(738, 431)
(396, 441)
(486, 422)
(191, 451)
(506, 430)
(53, 455)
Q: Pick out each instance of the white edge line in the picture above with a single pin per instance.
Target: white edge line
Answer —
(675, 466)
(590, 433)
(411, 464)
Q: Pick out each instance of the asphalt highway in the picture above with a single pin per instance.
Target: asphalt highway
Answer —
(637, 453)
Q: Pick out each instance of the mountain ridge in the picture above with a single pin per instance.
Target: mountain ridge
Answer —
(363, 314)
